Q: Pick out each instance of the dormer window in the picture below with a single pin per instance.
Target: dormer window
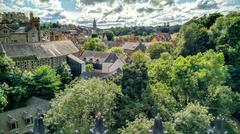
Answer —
(28, 119)
(91, 60)
(97, 61)
(85, 59)
(13, 123)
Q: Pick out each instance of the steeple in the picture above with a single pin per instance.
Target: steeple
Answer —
(94, 24)
(31, 16)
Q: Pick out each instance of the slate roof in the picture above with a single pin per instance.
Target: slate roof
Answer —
(130, 45)
(41, 49)
(102, 57)
(34, 105)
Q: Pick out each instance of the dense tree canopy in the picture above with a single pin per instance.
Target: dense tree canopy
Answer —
(109, 34)
(193, 38)
(139, 56)
(118, 50)
(45, 83)
(194, 118)
(94, 45)
(64, 71)
(156, 49)
(76, 107)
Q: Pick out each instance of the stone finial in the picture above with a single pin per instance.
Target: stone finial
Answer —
(99, 127)
(39, 127)
(76, 132)
(157, 127)
(218, 128)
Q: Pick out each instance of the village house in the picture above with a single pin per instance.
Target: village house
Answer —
(131, 47)
(103, 63)
(21, 120)
(29, 56)
(28, 32)
(161, 37)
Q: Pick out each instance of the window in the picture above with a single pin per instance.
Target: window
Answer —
(85, 59)
(91, 60)
(14, 125)
(97, 61)
(29, 121)
(5, 31)
(6, 40)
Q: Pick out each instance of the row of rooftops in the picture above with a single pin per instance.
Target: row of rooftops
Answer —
(40, 49)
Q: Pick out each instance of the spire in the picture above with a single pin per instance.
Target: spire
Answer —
(39, 127)
(157, 127)
(94, 24)
(31, 15)
(99, 127)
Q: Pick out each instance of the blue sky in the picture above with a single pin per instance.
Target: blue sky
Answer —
(119, 12)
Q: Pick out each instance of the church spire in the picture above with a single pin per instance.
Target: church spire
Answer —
(94, 24)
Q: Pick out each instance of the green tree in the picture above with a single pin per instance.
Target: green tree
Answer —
(193, 38)
(89, 68)
(118, 50)
(134, 80)
(223, 101)
(164, 102)
(140, 125)
(109, 34)
(156, 49)
(226, 36)
(94, 35)
(64, 71)
(139, 56)
(189, 78)
(6, 66)
(194, 118)
(3, 97)
(45, 83)
(206, 20)
(94, 45)
(76, 107)
(136, 97)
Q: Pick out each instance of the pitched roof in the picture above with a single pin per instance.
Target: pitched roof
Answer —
(130, 45)
(102, 57)
(40, 50)
(24, 29)
(34, 105)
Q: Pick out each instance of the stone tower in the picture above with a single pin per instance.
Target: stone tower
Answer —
(94, 25)
(35, 21)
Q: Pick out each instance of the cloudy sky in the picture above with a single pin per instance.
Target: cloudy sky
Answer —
(119, 12)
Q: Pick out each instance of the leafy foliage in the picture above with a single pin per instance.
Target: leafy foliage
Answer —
(118, 50)
(156, 49)
(94, 45)
(193, 38)
(76, 106)
(194, 118)
(64, 71)
(3, 97)
(45, 83)
(139, 56)
(134, 80)
(140, 125)
(109, 34)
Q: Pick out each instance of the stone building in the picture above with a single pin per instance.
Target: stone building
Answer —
(21, 120)
(29, 56)
(104, 64)
(27, 32)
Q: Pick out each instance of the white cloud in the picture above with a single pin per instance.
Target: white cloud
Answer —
(119, 12)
